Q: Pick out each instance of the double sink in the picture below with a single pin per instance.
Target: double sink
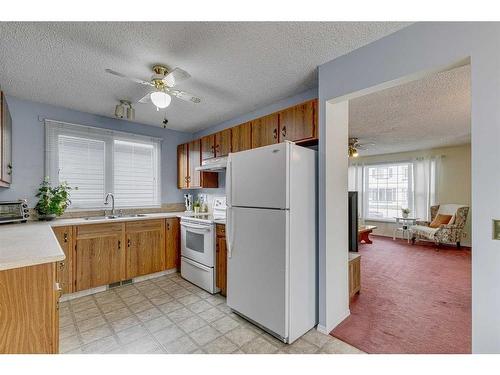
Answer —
(111, 217)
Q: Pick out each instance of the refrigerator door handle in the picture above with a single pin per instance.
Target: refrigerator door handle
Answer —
(229, 232)
(228, 181)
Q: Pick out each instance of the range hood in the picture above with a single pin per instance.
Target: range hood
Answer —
(213, 165)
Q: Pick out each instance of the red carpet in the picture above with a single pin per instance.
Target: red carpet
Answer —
(413, 299)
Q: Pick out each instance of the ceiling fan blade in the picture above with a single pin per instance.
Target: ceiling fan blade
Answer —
(146, 98)
(183, 95)
(364, 146)
(175, 76)
(136, 80)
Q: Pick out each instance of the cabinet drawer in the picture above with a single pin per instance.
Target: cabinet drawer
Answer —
(96, 229)
(220, 230)
(144, 225)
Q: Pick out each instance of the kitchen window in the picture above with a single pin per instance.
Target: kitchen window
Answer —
(96, 161)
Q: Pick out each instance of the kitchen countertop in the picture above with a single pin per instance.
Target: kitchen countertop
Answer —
(34, 242)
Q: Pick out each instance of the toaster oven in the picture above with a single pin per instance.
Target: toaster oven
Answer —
(14, 211)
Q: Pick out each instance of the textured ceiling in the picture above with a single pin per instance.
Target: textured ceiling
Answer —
(428, 113)
(236, 67)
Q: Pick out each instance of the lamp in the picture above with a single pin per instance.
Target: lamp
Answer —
(161, 99)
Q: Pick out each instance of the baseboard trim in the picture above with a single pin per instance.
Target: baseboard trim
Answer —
(88, 292)
(323, 329)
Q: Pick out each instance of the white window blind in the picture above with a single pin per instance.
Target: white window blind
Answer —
(82, 165)
(96, 161)
(135, 173)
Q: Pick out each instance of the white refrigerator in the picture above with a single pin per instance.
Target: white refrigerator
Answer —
(271, 238)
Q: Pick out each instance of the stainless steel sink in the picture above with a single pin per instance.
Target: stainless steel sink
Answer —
(111, 217)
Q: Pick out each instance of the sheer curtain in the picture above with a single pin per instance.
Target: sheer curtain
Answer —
(355, 182)
(425, 172)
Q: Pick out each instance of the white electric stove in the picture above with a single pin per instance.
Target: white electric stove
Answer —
(198, 246)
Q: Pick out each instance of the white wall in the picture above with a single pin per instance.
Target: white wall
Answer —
(413, 51)
(453, 184)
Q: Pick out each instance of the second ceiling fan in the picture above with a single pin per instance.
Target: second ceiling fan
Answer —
(162, 83)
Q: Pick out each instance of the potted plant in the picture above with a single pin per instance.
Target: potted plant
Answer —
(405, 212)
(196, 206)
(52, 201)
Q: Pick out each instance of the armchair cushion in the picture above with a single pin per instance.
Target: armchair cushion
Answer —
(439, 220)
(449, 209)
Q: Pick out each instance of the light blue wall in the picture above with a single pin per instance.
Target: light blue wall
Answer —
(28, 145)
(425, 47)
(277, 106)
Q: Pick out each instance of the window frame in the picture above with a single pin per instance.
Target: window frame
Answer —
(366, 187)
(53, 129)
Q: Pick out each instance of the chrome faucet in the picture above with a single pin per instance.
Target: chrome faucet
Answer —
(112, 202)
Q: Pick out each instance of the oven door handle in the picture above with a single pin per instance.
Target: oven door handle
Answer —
(198, 227)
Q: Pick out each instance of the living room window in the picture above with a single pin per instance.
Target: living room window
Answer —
(389, 190)
(96, 161)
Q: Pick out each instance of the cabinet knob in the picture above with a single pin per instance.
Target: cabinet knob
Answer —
(283, 131)
(61, 265)
(128, 242)
(65, 237)
(275, 133)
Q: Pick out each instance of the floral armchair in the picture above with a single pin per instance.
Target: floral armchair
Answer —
(452, 232)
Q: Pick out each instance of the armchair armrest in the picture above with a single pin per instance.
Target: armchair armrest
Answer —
(423, 223)
(450, 226)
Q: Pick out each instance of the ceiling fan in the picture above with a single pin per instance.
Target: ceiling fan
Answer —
(354, 145)
(162, 83)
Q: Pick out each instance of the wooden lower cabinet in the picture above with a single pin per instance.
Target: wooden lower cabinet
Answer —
(173, 242)
(99, 255)
(64, 272)
(354, 274)
(29, 311)
(221, 259)
(145, 247)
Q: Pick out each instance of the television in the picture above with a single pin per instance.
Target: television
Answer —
(353, 221)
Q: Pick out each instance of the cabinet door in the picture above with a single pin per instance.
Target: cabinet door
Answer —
(221, 259)
(173, 242)
(65, 267)
(265, 131)
(241, 137)
(145, 247)
(208, 147)
(5, 143)
(99, 255)
(299, 122)
(182, 166)
(223, 143)
(194, 176)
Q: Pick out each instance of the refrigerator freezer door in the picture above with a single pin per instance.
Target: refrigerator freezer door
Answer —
(258, 177)
(257, 269)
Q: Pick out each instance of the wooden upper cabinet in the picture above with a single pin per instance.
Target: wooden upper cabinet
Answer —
(182, 166)
(223, 143)
(64, 271)
(99, 255)
(241, 137)
(194, 152)
(173, 242)
(265, 130)
(145, 242)
(299, 122)
(208, 147)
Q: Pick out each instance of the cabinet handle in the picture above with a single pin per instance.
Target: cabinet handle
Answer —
(128, 242)
(119, 244)
(168, 226)
(61, 265)
(65, 237)
(275, 133)
(9, 167)
(283, 131)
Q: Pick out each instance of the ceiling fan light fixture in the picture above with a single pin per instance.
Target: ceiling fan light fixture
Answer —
(161, 99)
(352, 152)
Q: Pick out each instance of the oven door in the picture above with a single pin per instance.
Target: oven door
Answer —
(197, 242)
